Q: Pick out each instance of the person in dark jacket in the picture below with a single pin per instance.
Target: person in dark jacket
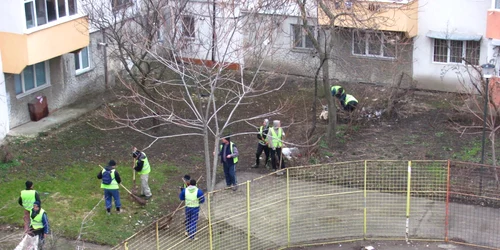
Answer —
(143, 168)
(348, 102)
(28, 197)
(229, 157)
(262, 145)
(193, 197)
(111, 190)
(39, 223)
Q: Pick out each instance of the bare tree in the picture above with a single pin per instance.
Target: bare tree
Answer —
(358, 15)
(203, 85)
(476, 92)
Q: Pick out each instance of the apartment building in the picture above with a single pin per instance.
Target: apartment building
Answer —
(44, 48)
(449, 31)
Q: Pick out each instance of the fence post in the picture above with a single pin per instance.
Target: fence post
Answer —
(408, 197)
(157, 237)
(210, 240)
(125, 245)
(447, 212)
(248, 215)
(288, 206)
(364, 194)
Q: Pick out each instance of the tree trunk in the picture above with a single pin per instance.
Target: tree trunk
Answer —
(215, 164)
(315, 100)
(332, 110)
(207, 159)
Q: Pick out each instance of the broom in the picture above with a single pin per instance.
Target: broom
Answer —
(135, 197)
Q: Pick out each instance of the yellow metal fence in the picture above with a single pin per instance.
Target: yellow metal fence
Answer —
(351, 201)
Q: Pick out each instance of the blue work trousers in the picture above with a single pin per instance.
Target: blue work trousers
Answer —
(191, 220)
(112, 194)
(230, 173)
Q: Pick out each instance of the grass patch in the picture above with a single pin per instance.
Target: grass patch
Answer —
(470, 153)
(69, 193)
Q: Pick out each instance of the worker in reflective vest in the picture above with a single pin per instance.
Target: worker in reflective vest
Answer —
(337, 91)
(348, 102)
(111, 189)
(274, 139)
(262, 146)
(143, 169)
(193, 197)
(39, 222)
(26, 200)
(229, 157)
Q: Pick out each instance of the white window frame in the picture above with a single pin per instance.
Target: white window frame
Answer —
(303, 37)
(36, 88)
(448, 54)
(79, 57)
(383, 43)
(57, 19)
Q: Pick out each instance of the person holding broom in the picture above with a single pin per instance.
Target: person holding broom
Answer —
(143, 168)
(110, 180)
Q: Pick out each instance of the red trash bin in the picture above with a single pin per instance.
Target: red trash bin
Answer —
(38, 108)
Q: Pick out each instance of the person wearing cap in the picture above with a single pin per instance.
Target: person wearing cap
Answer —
(274, 139)
(229, 157)
(39, 222)
(193, 196)
(262, 145)
(26, 200)
(112, 190)
(186, 179)
(143, 168)
(337, 91)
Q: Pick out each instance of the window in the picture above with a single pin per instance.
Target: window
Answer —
(300, 38)
(40, 12)
(32, 78)
(119, 4)
(188, 26)
(452, 51)
(375, 43)
(82, 61)
(497, 4)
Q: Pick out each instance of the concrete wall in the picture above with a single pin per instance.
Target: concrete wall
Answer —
(450, 16)
(274, 48)
(65, 86)
(355, 68)
(12, 17)
(4, 105)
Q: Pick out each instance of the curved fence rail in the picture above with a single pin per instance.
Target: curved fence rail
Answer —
(364, 200)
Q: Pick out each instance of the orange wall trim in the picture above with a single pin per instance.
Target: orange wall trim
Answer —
(21, 50)
(209, 63)
(493, 24)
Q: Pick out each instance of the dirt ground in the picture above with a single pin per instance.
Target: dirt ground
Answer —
(421, 129)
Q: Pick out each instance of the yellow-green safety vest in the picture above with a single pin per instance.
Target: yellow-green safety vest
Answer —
(145, 168)
(235, 159)
(191, 197)
(36, 222)
(113, 184)
(276, 141)
(28, 197)
(349, 98)
(262, 141)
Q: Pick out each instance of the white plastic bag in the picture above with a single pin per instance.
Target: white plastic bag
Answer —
(28, 243)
